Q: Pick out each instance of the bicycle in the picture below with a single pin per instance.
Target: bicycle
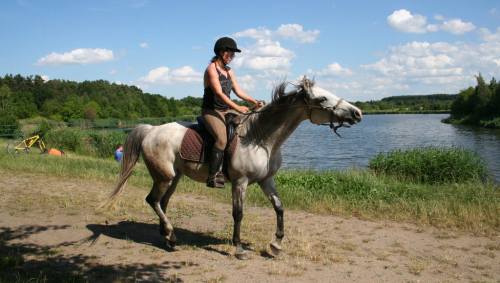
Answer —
(24, 145)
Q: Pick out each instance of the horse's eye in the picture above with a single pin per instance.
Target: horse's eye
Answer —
(323, 99)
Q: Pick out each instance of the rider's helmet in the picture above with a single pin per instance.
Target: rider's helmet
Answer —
(225, 43)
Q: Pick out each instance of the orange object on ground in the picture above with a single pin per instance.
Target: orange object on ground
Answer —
(54, 151)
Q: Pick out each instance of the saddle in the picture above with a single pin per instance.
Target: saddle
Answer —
(197, 143)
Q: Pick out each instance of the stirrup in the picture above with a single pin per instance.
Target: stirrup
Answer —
(217, 181)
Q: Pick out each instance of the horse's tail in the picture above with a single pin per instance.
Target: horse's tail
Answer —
(131, 152)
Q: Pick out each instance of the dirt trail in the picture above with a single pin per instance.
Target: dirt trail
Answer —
(52, 224)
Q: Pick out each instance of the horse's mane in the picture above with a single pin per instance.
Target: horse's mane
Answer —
(281, 98)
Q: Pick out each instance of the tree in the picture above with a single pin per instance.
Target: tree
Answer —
(481, 97)
(4, 96)
(92, 111)
(462, 105)
(24, 105)
(72, 109)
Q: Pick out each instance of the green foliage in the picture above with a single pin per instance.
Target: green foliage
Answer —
(9, 125)
(432, 165)
(24, 105)
(477, 106)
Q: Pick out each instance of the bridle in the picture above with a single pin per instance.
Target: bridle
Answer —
(311, 107)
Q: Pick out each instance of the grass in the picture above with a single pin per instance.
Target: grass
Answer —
(468, 205)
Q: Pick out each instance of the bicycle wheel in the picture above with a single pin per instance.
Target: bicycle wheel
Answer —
(42, 147)
(15, 147)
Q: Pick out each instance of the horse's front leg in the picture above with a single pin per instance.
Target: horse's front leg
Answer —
(238, 191)
(271, 193)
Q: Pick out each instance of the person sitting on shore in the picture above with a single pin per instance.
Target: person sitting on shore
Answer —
(119, 152)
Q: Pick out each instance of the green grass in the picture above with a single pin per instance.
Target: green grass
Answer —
(464, 204)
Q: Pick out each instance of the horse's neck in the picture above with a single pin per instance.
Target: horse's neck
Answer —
(271, 130)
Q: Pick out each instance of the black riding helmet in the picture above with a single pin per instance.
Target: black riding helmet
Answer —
(225, 43)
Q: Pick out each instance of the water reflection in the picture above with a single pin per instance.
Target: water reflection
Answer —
(312, 146)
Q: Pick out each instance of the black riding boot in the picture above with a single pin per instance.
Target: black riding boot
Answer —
(215, 177)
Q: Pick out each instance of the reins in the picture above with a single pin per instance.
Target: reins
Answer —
(311, 107)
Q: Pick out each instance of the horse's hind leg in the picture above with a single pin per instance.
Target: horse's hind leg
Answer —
(159, 190)
(271, 193)
(164, 203)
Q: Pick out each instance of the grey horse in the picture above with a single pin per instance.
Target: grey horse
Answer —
(256, 159)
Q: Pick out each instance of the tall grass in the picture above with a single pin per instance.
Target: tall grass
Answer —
(432, 165)
(86, 142)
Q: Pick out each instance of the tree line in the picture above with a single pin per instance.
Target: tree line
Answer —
(479, 105)
(64, 100)
(409, 103)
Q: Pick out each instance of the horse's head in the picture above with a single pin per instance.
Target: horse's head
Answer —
(328, 108)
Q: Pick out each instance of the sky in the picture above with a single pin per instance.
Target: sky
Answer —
(358, 50)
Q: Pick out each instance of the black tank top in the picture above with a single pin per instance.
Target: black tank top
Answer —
(210, 101)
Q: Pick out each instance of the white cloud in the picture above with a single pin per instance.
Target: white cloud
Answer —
(265, 54)
(334, 70)
(456, 26)
(295, 32)
(81, 56)
(144, 45)
(113, 71)
(162, 75)
(247, 82)
(486, 35)
(438, 17)
(259, 33)
(289, 31)
(45, 78)
(495, 12)
(274, 74)
(404, 21)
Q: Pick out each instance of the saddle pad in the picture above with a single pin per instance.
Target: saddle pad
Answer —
(192, 143)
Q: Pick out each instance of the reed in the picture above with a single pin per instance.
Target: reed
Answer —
(432, 165)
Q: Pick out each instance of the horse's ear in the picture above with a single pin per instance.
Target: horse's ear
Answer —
(306, 84)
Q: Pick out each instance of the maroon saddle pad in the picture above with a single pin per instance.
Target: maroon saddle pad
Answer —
(193, 148)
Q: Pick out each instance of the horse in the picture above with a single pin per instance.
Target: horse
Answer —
(256, 160)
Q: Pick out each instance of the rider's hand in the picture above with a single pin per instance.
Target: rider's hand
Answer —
(259, 104)
(242, 109)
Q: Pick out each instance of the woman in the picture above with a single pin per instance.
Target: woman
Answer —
(218, 82)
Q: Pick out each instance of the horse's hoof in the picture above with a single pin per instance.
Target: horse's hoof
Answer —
(170, 244)
(241, 256)
(276, 251)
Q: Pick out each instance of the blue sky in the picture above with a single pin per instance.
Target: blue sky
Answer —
(358, 50)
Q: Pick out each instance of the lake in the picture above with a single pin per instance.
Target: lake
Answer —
(318, 147)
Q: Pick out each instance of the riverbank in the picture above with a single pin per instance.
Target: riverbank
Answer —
(493, 123)
(368, 112)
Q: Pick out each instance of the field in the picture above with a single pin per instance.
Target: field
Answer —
(51, 231)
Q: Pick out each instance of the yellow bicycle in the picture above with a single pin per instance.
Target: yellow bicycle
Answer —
(24, 145)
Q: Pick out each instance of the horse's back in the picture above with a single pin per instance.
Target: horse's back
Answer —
(164, 141)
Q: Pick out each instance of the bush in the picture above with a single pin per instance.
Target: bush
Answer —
(9, 125)
(432, 165)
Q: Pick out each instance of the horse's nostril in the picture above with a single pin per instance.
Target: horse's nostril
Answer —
(357, 114)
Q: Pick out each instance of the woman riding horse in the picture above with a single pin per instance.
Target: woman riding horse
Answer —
(218, 81)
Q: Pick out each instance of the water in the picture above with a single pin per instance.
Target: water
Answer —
(312, 146)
